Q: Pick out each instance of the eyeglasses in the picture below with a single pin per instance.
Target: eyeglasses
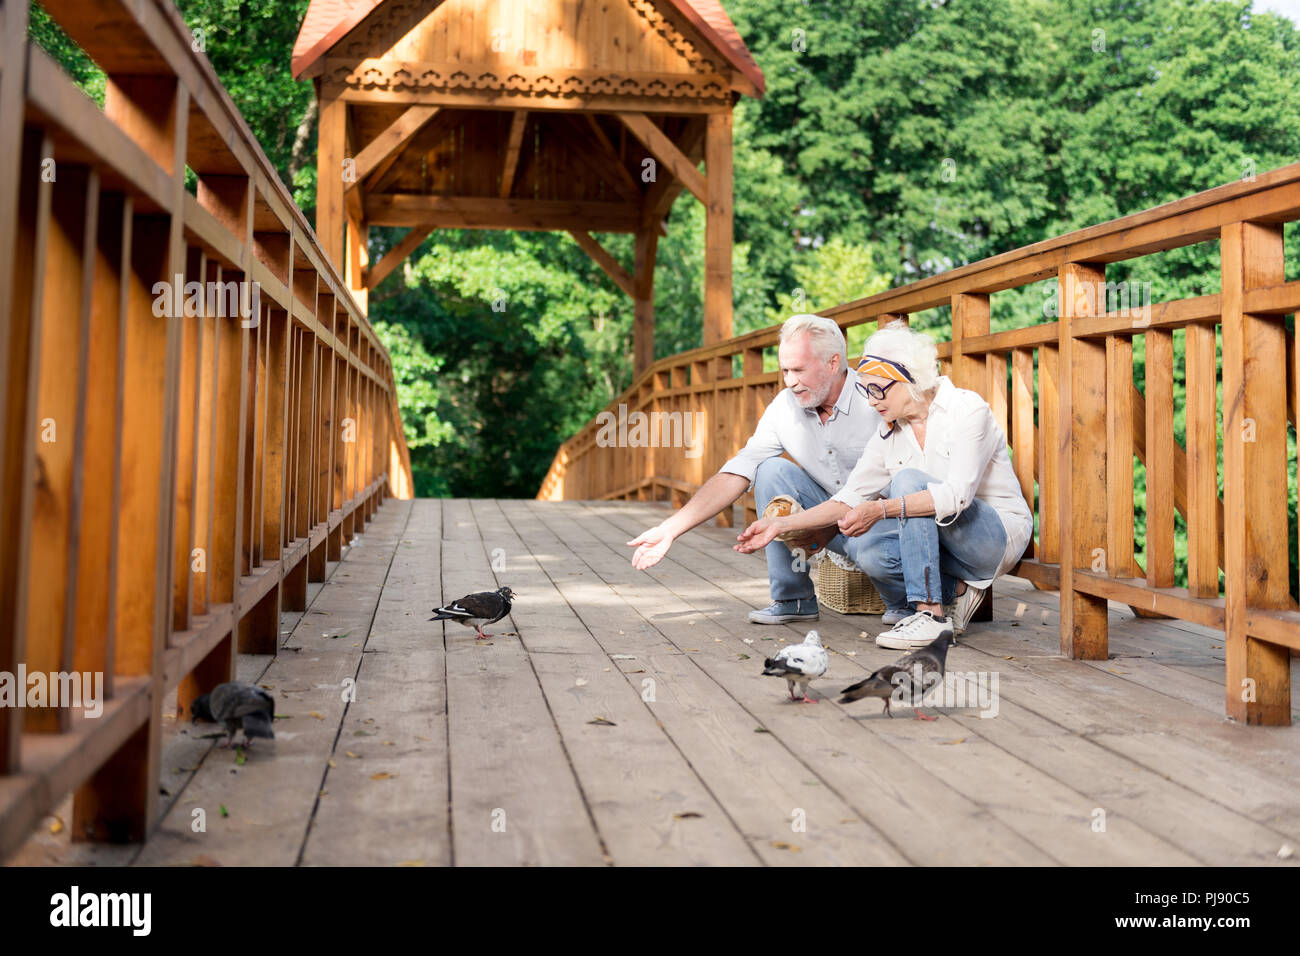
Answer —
(872, 390)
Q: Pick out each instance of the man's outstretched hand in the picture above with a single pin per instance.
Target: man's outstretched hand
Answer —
(758, 535)
(650, 546)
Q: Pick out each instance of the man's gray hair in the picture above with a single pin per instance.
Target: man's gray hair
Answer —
(824, 335)
(915, 351)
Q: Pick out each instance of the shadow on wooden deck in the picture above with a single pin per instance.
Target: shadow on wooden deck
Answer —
(627, 722)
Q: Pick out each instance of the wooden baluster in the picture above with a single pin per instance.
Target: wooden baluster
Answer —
(1023, 439)
(1160, 458)
(1119, 455)
(1203, 534)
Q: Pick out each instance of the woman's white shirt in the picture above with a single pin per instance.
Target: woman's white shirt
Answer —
(966, 450)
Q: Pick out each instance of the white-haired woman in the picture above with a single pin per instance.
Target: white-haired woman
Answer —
(932, 511)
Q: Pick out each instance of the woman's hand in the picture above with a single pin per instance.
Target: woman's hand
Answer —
(860, 519)
(650, 546)
(759, 534)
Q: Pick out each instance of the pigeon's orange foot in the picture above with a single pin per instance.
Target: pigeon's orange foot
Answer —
(809, 700)
(921, 716)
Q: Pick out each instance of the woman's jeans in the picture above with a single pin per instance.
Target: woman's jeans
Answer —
(908, 561)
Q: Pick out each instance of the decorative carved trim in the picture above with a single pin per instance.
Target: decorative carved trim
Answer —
(672, 31)
(398, 75)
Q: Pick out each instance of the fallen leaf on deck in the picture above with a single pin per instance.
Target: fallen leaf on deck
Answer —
(411, 863)
(240, 759)
(782, 845)
(203, 860)
(425, 739)
(349, 753)
(688, 815)
(1008, 658)
(332, 763)
(267, 686)
(602, 722)
(642, 671)
(743, 657)
(761, 730)
(224, 811)
(692, 650)
(57, 825)
(363, 733)
(284, 716)
(390, 743)
(947, 743)
(317, 714)
(382, 775)
(1113, 671)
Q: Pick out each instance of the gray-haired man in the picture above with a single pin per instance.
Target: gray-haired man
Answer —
(821, 422)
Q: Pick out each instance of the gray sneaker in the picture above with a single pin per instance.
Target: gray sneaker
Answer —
(963, 608)
(781, 612)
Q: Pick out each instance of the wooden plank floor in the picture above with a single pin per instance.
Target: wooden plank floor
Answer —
(619, 717)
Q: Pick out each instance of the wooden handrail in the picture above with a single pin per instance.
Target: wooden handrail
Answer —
(1063, 392)
(197, 415)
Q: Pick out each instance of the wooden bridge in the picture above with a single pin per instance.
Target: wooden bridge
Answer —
(191, 498)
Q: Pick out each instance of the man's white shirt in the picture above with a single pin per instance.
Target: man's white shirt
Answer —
(827, 450)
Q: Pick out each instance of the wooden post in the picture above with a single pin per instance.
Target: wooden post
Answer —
(643, 328)
(1254, 468)
(329, 176)
(718, 229)
(1083, 463)
(970, 317)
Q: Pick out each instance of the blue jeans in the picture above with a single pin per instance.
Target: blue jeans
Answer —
(787, 573)
(918, 561)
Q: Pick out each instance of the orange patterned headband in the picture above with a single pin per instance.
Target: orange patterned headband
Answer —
(885, 368)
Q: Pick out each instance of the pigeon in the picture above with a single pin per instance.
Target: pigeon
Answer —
(475, 610)
(236, 703)
(881, 684)
(799, 664)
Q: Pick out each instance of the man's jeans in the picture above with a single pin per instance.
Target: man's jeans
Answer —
(908, 561)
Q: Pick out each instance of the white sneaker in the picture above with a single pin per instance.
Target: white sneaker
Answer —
(918, 630)
(963, 609)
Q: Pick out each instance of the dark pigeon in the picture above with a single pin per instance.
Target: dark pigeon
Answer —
(237, 704)
(475, 610)
(932, 658)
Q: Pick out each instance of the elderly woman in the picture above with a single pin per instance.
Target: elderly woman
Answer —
(932, 511)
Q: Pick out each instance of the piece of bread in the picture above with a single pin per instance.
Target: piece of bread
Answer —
(781, 506)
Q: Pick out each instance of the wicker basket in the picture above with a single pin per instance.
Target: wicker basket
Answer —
(846, 590)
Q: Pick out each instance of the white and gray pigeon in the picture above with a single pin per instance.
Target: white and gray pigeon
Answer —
(237, 704)
(799, 664)
(475, 610)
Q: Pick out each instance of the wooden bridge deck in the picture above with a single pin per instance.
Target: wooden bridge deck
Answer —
(467, 753)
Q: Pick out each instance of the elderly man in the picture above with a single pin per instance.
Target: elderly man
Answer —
(823, 423)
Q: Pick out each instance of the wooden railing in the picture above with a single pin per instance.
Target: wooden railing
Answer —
(1064, 393)
(171, 481)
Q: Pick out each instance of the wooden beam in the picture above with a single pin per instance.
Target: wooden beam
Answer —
(586, 151)
(479, 212)
(512, 151)
(606, 147)
(603, 259)
(390, 142)
(717, 230)
(643, 327)
(667, 153)
(396, 255)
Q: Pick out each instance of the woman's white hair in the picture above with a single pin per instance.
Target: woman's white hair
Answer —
(915, 351)
(824, 335)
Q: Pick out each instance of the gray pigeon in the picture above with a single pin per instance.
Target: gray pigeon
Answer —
(235, 704)
(799, 664)
(881, 684)
(475, 610)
